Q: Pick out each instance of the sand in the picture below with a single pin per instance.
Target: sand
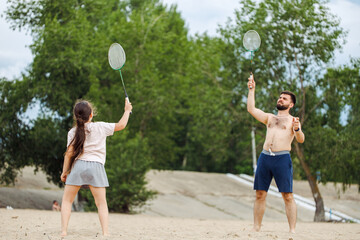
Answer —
(187, 194)
(43, 224)
(189, 205)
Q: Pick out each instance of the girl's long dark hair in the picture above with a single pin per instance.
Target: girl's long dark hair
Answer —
(82, 111)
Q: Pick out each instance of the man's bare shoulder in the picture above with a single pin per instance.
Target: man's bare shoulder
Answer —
(271, 115)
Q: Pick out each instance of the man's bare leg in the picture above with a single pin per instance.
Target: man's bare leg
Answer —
(259, 209)
(290, 207)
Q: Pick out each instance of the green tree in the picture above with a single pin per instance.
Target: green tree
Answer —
(188, 92)
(70, 62)
(127, 164)
(351, 174)
(215, 139)
(339, 128)
(169, 78)
(14, 131)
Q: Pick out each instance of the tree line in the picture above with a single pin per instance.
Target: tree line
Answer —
(188, 92)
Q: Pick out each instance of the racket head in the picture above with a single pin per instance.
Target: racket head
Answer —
(251, 40)
(116, 56)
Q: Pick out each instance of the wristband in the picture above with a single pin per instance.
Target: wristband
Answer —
(297, 130)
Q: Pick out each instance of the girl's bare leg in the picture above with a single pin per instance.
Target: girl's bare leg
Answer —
(99, 194)
(70, 192)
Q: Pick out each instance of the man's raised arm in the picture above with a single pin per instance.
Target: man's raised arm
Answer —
(255, 112)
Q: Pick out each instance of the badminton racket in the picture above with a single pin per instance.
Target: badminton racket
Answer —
(117, 59)
(251, 42)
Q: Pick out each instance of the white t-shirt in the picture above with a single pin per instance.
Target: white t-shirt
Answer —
(95, 141)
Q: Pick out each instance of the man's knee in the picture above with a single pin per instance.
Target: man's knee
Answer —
(261, 195)
(288, 197)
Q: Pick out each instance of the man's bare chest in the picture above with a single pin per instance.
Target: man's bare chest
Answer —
(279, 123)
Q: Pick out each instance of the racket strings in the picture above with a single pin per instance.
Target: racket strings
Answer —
(251, 43)
(251, 40)
(116, 56)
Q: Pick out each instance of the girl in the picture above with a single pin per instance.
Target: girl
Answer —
(85, 158)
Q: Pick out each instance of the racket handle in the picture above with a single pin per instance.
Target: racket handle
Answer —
(127, 99)
(252, 78)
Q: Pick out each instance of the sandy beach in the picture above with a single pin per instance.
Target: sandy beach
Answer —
(42, 224)
(189, 205)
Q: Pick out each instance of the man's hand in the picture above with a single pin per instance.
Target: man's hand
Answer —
(251, 83)
(296, 124)
(299, 135)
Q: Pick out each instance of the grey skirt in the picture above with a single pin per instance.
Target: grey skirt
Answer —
(86, 173)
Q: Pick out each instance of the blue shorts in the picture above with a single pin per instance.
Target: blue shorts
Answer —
(279, 167)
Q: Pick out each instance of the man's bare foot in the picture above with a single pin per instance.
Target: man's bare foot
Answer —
(256, 229)
(63, 234)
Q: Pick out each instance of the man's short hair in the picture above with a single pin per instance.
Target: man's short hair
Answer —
(292, 95)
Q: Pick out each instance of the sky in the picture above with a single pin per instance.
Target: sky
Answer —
(200, 16)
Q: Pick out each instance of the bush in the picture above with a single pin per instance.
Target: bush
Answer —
(128, 161)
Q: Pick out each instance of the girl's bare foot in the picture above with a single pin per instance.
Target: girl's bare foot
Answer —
(63, 234)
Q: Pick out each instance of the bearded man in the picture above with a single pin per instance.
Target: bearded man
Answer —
(275, 160)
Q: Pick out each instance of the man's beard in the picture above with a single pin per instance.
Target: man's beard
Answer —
(281, 107)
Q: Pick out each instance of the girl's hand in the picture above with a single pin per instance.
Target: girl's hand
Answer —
(128, 106)
(63, 177)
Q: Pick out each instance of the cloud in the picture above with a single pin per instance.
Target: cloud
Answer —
(204, 15)
(200, 16)
(349, 13)
(14, 53)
